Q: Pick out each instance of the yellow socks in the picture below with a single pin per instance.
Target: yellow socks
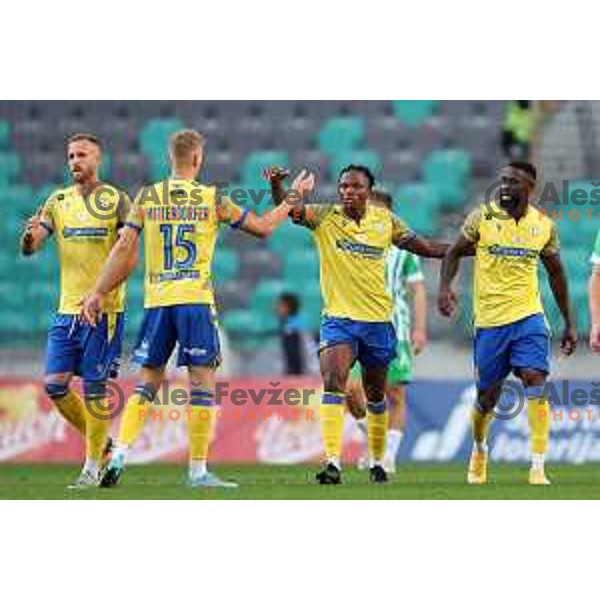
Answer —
(200, 419)
(135, 414)
(377, 426)
(332, 412)
(69, 405)
(480, 423)
(538, 409)
(97, 420)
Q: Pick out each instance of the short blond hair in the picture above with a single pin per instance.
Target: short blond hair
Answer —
(184, 143)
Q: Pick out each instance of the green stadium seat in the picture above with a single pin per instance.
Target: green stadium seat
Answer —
(106, 166)
(312, 300)
(414, 112)
(154, 137)
(418, 204)
(10, 166)
(238, 322)
(449, 172)
(289, 236)
(255, 164)
(4, 134)
(154, 140)
(225, 265)
(368, 158)
(18, 195)
(249, 329)
(265, 295)
(133, 322)
(341, 134)
(135, 294)
(45, 191)
(300, 265)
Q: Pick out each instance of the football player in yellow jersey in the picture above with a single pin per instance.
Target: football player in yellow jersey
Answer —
(180, 219)
(85, 218)
(352, 238)
(510, 236)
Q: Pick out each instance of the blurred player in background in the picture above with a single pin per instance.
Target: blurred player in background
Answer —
(594, 294)
(402, 274)
(353, 238)
(180, 218)
(85, 218)
(291, 333)
(510, 237)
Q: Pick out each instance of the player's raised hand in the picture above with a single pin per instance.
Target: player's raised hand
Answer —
(91, 307)
(595, 339)
(276, 174)
(568, 342)
(447, 302)
(304, 183)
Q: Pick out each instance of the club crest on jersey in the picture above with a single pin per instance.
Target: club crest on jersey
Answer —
(535, 231)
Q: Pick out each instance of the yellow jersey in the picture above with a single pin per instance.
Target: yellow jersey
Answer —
(506, 286)
(353, 257)
(86, 229)
(180, 219)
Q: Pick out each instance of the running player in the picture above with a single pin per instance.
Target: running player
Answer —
(510, 236)
(353, 238)
(85, 218)
(403, 275)
(180, 219)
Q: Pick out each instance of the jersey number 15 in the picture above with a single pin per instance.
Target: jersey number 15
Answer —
(181, 240)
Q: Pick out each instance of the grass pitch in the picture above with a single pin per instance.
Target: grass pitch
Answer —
(413, 481)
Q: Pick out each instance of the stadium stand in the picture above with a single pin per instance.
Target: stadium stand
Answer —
(434, 157)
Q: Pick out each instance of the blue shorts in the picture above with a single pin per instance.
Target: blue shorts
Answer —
(374, 344)
(524, 344)
(192, 326)
(93, 353)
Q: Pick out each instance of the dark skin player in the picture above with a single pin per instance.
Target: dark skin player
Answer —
(515, 195)
(354, 189)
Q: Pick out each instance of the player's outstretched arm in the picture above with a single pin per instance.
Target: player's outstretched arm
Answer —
(560, 291)
(117, 268)
(264, 225)
(419, 331)
(424, 247)
(447, 299)
(594, 293)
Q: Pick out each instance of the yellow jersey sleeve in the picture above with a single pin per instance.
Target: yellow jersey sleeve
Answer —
(230, 213)
(401, 232)
(311, 215)
(553, 244)
(470, 228)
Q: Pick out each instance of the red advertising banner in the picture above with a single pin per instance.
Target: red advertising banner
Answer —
(257, 421)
